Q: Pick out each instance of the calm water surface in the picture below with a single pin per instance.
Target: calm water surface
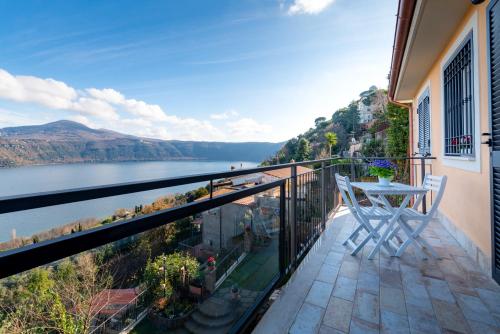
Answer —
(32, 179)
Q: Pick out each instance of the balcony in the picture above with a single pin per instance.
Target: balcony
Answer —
(334, 292)
(212, 265)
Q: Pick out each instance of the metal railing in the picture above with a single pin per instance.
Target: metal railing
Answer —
(306, 199)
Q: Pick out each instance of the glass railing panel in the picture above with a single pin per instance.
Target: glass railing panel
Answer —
(238, 261)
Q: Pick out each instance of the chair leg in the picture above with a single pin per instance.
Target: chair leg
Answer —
(354, 235)
(422, 241)
(393, 233)
(382, 240)
(411, 238)
(363, 243)
(372, 234)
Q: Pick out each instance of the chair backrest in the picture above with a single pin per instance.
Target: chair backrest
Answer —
(436, 184)
(347, 193)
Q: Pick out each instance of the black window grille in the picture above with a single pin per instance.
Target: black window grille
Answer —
(424, 125)
(458, 103)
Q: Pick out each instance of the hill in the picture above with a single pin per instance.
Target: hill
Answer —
(369, 126)
(70, 142)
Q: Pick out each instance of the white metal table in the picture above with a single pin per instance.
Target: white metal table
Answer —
(377, 193)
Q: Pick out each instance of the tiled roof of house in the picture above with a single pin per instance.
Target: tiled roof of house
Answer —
(285, 173)
(222, 191)
(109, 301)
(218, 192)
(245, 201)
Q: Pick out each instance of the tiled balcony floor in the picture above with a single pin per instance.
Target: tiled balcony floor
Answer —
(334, 292)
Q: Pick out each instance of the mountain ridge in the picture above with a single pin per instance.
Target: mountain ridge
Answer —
(71, 142)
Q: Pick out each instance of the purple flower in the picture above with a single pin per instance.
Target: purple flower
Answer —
(383, 164)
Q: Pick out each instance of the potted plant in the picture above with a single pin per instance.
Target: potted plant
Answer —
(384, 170)
(466, 144)
(211, 263)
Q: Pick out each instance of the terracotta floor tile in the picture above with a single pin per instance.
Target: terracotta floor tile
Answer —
(338, 314)
(450, 316)
(367, 307)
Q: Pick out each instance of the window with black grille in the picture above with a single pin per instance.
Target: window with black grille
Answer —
(424, 125)
(458, 103)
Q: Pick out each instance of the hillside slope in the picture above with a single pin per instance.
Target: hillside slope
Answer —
(368, 126)
(70, 142)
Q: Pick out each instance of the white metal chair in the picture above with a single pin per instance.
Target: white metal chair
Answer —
(431, 183)
(363, 215)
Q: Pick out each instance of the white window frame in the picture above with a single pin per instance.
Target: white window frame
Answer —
(471, 163)
(425, 90)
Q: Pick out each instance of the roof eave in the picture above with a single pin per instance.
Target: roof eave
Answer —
(406, 9)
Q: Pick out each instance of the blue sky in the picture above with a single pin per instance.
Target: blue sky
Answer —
(259, 70)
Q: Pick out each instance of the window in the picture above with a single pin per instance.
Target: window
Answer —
(424, 125)
(458, 102)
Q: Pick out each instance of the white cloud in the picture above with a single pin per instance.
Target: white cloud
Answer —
(308, 6)
(151, 112)
(52, 94)
(248, 129)
(138, 108)
(94, 107)
(107, 94)
(11, 118)
(110, 109)
(225, 115)
(47, 92)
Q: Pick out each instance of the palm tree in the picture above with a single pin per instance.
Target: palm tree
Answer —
(331, 140)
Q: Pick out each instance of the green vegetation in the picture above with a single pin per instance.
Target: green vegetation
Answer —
(398, 131)
(180, 270)
(303, 150)
(53, 300)
(331, 140)
(373, 148)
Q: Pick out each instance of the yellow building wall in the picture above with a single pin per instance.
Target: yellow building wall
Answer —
(466, 202)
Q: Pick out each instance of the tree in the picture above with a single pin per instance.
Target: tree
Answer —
(318, 121)
(348, 118)
(331, 140)
(303, 150)
(280, 157)
(195, 194)
(57, 300)
(398, 131)
(373, 148)
(169, 272)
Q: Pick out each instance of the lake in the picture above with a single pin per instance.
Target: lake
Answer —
(31, 179)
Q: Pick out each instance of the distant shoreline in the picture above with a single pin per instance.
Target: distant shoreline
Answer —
(113, 161)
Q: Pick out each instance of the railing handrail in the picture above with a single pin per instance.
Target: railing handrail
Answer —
(44, 199)
(20, 259)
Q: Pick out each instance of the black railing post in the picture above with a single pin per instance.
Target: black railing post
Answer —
(282, 247)
(323, 196)
(353, 170)
(293, 215)
(422, 172)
